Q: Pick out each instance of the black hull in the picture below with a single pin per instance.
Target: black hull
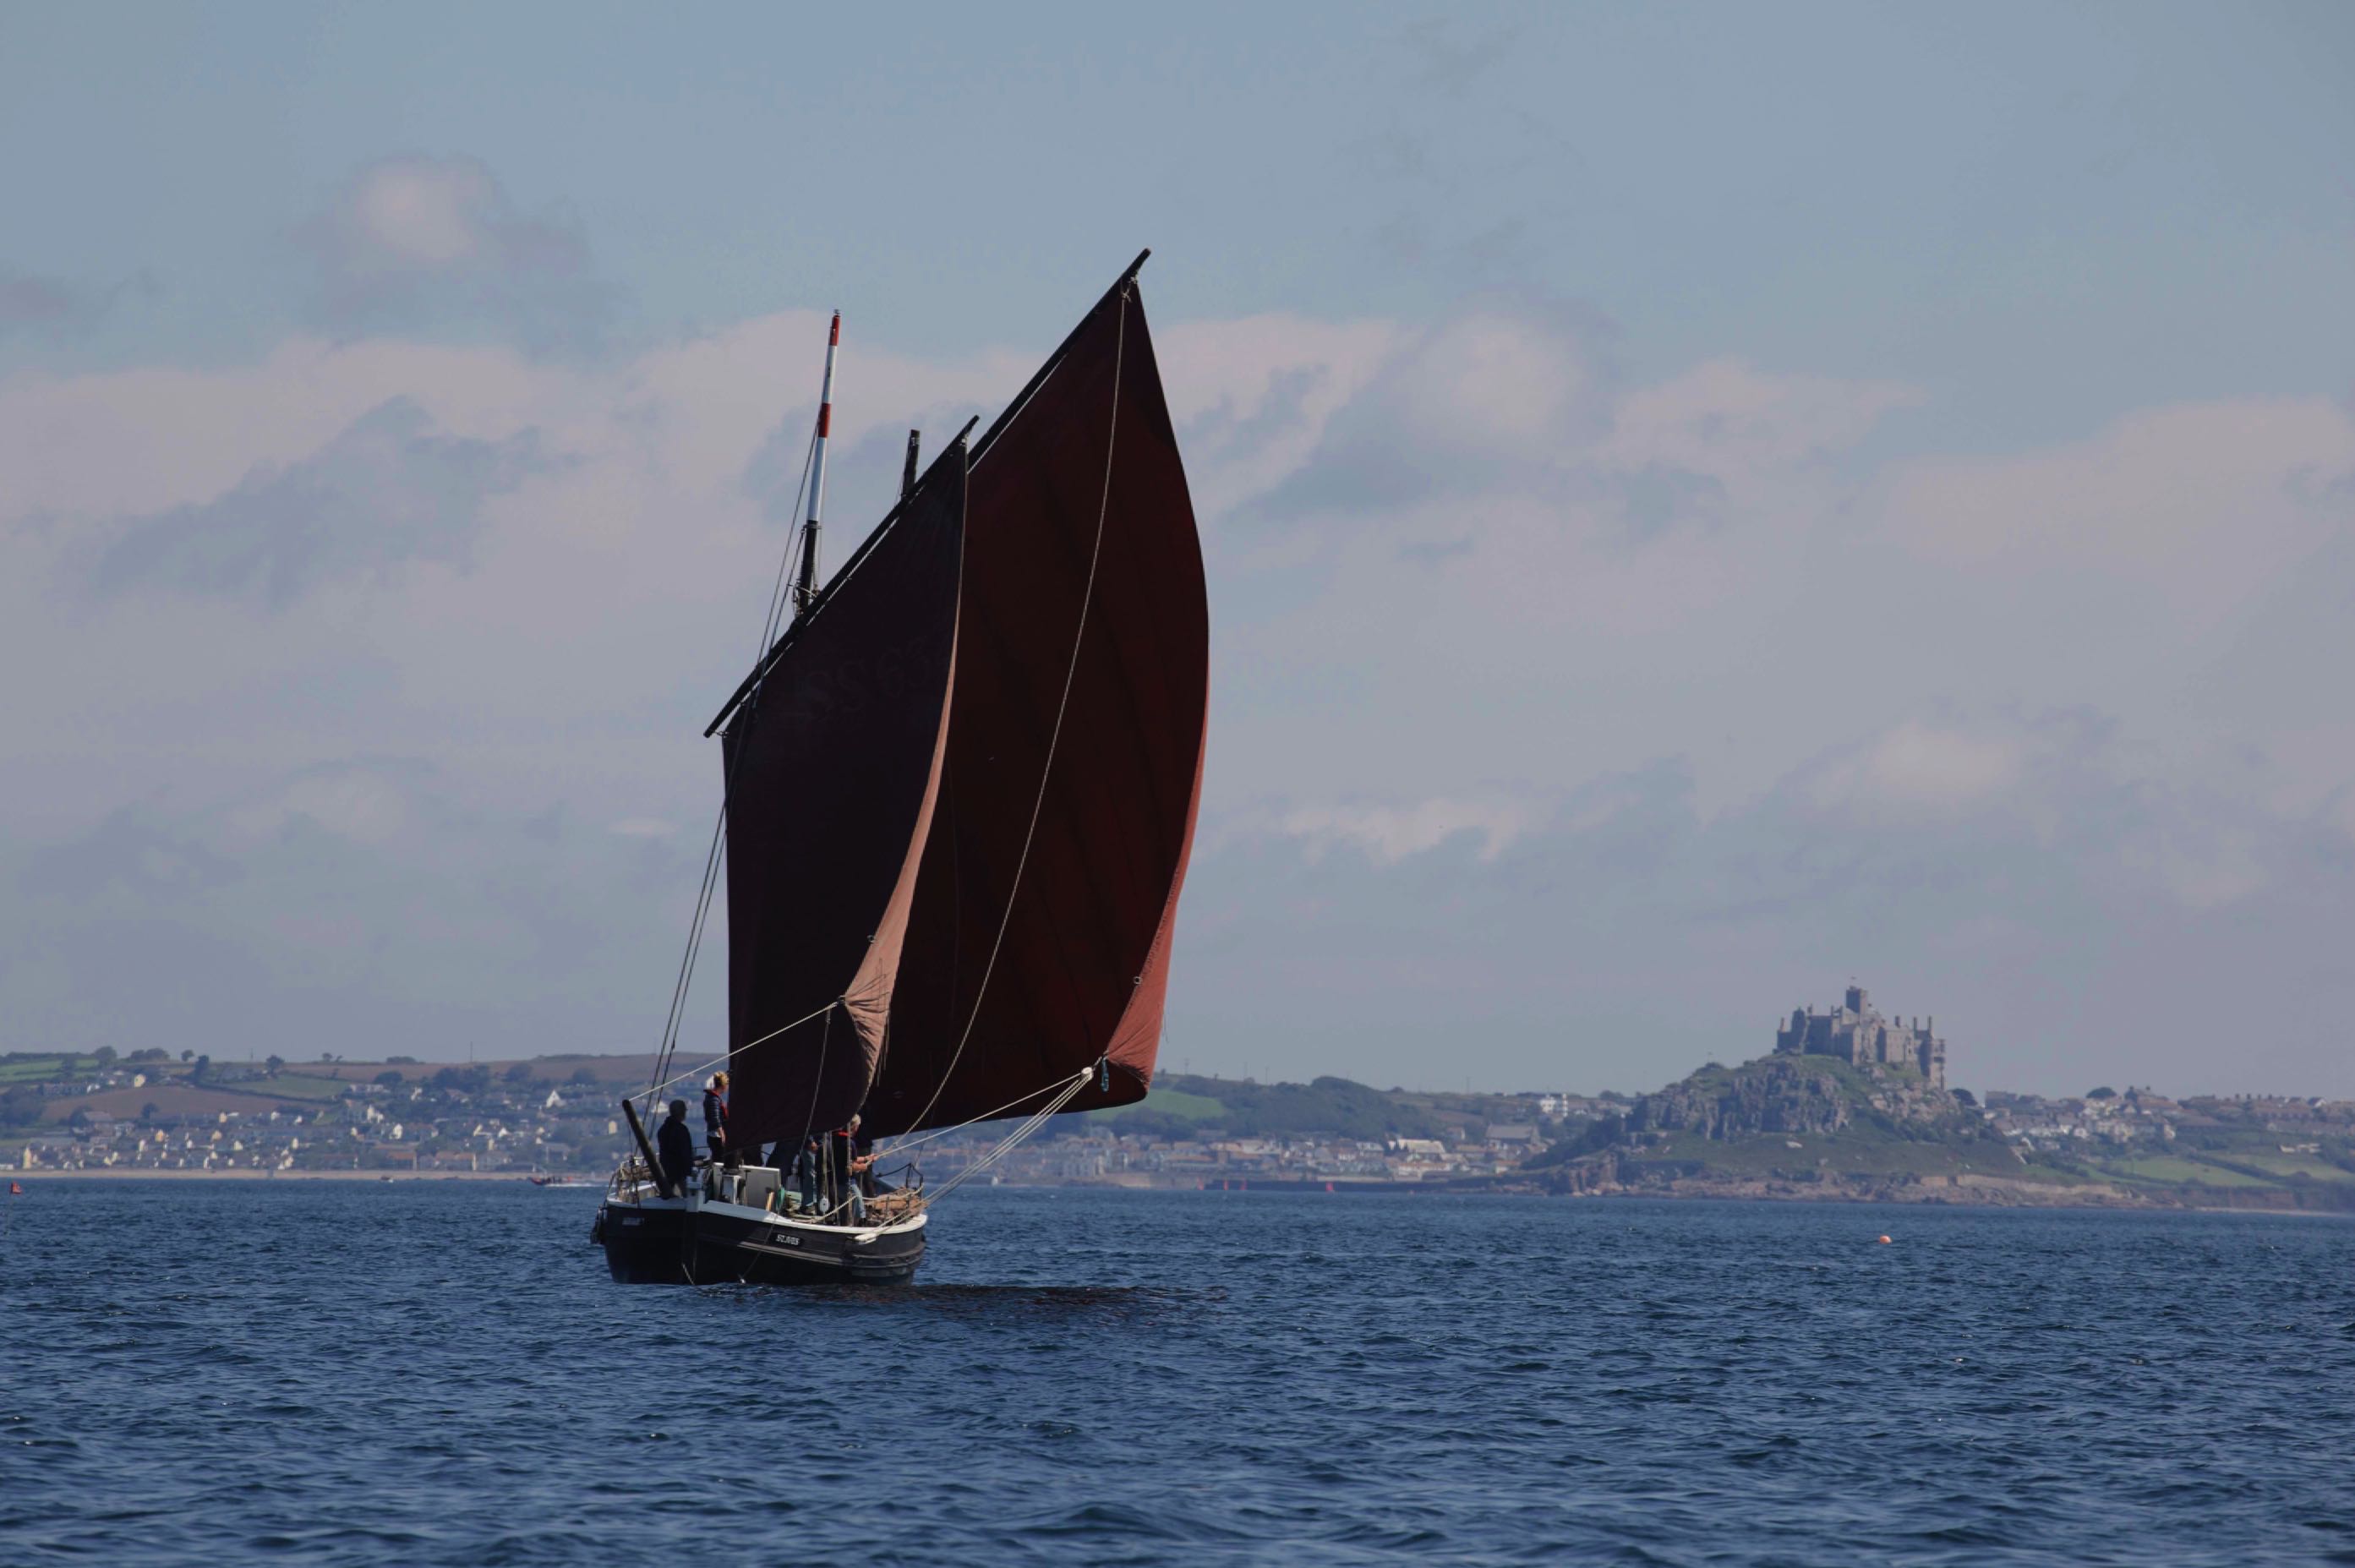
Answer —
(652, 1244)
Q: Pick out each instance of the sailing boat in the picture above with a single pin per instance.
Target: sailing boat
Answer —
(960, 789)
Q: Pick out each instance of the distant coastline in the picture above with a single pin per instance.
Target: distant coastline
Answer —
(1860, 1115)
(1965, 1197)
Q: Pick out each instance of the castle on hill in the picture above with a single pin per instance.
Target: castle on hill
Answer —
(1858, 1034)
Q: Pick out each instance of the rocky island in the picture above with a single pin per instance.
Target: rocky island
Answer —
(1853, 1105)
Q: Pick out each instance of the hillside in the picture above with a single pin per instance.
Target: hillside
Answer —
(1185, 1106)
(1802, 1126)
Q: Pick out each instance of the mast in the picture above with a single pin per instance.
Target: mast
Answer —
(908, 469)
(805, 590)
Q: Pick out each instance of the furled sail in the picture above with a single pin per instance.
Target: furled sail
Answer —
(1038, 941)
(833, 754)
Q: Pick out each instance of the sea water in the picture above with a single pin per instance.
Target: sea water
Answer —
(442, 1373)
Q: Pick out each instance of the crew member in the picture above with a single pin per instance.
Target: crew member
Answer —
(715, 1120)
(674, 1147)
(805, 1169)
(849, 1158)
(862, 1157)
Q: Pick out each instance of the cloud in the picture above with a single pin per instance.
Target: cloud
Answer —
(1573, 722)
(359, 904)
(35, 307)
(1919, 767)
(390, 489)
(1392, 833)
(358, 801)
(30, 301)
(1450, 67)
(2196, 503)
(1499, 396)
(416, 242)
(2066, 912)
(1732, 422)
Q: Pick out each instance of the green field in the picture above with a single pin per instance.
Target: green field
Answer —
(2288, 1164)
(1171, 1103)
(2174, 1171)
(41, 1068)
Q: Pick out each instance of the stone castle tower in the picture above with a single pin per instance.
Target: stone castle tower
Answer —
(1858, 1034)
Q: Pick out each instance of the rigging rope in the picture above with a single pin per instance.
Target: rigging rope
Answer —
(1055, 736)
(1005, 1145)
(715, 1062)
(906, 1144)
(817, 1079)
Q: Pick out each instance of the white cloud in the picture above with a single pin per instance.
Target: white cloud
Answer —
(2200, 503)
(425, 213)
(1392, 833)
(416, 240)
(1758, 701)
(1922, 767)
(1731, 421)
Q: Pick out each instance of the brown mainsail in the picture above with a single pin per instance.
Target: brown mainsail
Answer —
(833, 758)
(1037, 945)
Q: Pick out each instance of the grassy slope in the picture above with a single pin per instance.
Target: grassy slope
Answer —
(176, 1099)
(1178, 1102)
(43, 1069)
(2289, 1165)
(2170, 1170)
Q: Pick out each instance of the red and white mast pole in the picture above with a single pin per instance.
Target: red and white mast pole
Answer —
(806, 589)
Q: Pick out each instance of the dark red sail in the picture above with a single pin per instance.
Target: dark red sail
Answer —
(833, 763)
(1038, 941)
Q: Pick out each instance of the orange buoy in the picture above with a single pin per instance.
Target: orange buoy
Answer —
(1884, 1240)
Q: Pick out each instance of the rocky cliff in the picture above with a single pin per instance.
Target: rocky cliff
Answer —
(1796, 1095)
(1809, 1124)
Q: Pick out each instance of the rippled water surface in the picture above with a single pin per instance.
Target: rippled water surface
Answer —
(418, 1372)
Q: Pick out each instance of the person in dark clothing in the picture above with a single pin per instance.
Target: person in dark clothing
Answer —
(862, 1157)
(837, 1163)
(715, 1120)
(674, 1147)
(804, 1167)
(851, 1156)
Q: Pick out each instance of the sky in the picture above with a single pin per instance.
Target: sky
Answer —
(1703, 504)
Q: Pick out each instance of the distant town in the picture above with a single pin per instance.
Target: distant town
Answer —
(1845, 1103)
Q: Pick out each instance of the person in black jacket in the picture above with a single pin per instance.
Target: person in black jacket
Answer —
(674, 1147)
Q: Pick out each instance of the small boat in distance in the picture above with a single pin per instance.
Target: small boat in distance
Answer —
(553, 1180)
(959, 795)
